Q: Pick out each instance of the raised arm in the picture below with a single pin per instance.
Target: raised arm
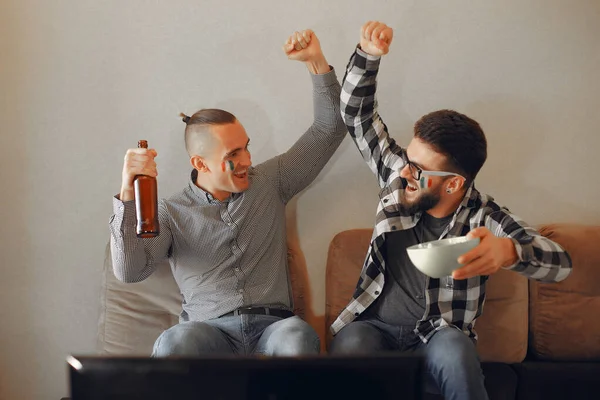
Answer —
(300, 165)
(358, 102)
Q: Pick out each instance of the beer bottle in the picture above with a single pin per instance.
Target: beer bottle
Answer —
(146, 203)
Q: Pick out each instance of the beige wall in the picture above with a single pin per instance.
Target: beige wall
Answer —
(83, 80)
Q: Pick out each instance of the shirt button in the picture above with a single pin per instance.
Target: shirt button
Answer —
(241, 290)
(121, 208)
(376, 292)
(237, 270)
(393, 227)
(385, 200)
(356, 314)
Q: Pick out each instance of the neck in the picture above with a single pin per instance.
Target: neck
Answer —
(447, 205)
(217, 194)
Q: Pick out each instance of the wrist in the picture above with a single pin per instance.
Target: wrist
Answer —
(511, 252)
(318, 66)
(126, 194)
(361, 48)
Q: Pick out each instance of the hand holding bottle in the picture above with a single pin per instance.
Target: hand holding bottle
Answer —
(138, 161)
(139, 183)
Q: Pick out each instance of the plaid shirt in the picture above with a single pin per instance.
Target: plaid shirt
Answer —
(449, 302)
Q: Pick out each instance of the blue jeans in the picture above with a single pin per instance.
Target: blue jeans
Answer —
(244, 334)
(450, 359)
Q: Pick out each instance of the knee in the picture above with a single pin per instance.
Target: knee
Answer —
(185, 339)
(356, 338)
(295, 338)
(452, 350)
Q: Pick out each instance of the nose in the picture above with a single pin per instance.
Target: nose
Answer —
(246, 159)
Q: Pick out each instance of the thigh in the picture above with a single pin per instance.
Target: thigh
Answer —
(361, 337)
(191, 339)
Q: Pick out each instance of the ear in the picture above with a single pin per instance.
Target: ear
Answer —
(199, 164)
(455, 184)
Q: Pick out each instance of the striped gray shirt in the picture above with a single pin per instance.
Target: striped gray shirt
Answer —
(233, 253)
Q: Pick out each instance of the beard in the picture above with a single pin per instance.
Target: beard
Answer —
(425, 202)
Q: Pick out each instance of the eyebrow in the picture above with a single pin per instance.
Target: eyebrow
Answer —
(408, 160)
(234, 150)
(417, 165)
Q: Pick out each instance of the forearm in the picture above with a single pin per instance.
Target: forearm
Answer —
(126, 194)
(318, 66)
(133, 259)
(528, 252)
(542, 260)
(510, 251)
(327, 126)
(358, 90)
(358, 105)
(300, 165)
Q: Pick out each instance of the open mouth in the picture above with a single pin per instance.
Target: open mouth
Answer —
(411, 188)
(241, 174)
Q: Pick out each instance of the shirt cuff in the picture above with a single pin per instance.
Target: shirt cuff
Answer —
(326, 79)
(124, 210)
(370, 62)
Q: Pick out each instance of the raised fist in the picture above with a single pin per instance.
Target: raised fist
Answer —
(375, 38)
(303, 46)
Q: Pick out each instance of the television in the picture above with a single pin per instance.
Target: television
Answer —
(377, 376)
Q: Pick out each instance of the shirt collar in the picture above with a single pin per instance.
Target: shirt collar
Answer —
(472, 198)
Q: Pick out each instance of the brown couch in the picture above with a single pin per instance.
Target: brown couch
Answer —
(536, 340)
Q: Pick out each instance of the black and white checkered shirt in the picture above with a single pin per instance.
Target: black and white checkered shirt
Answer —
(448, 302)
(233, 253)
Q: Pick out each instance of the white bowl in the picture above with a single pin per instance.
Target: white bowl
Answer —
(439, 257)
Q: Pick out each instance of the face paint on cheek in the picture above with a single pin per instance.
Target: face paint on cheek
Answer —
(227, 164)
(425, 182)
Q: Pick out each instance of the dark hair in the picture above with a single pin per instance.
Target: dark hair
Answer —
(209, 116)
(458, 137)
(203, 118)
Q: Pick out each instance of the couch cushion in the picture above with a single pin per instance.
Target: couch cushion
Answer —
(347, 252)
(502, 328)
(563, 316)
(133, 315)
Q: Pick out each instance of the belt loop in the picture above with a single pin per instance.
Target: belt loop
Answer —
(267, 311)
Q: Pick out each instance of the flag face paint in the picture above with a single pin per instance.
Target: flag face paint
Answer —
(226, 164)
(425, 182)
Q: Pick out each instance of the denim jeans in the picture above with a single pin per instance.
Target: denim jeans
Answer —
(244, 334)
(451, 362)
